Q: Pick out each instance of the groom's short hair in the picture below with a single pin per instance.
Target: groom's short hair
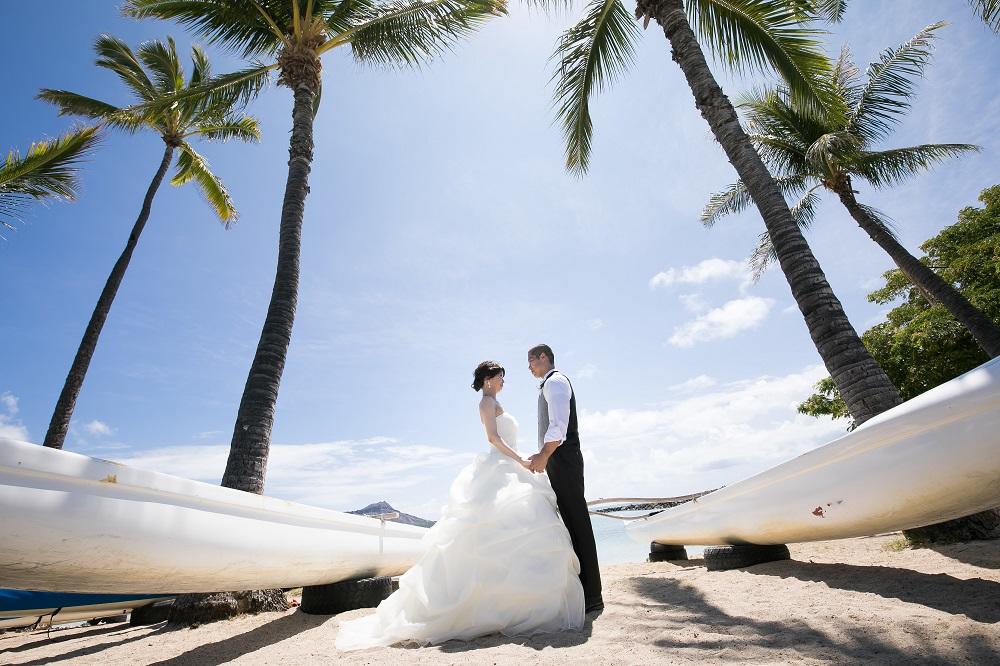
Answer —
(538, 350)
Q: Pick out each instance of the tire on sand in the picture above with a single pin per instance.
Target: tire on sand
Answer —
(721, 558)
(659, 552)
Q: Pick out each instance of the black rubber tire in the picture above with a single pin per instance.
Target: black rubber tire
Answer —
(659, 552)
(345, 596)
(722, 558)
(152, 614)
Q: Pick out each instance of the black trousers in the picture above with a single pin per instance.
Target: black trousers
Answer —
(565, 470)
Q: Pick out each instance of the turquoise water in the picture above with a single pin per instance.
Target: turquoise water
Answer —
(615, 546)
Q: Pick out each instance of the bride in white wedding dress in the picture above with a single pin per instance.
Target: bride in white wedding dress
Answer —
(499, 560)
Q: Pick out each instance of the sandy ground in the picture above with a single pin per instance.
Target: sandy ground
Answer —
(850, 601)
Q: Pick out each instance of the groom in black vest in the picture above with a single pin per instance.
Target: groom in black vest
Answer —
(559, 455)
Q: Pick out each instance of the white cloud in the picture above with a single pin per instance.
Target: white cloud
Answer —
(587, 371)
(702, 441)
(707, 270)
(9, 402)
(723, 322)
(341, 475)
(694, 384)
(693, 302)
(9, 427)
(791, 309)
(595, 324)
(99, 428)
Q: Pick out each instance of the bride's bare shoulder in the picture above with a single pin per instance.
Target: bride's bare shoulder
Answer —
(488, 406)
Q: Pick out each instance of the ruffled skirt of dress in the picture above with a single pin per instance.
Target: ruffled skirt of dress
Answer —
(499, 561)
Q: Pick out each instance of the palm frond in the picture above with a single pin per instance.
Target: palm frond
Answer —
(73, 104)
(410, 32)
(988, 11)
(242, 129)
(162, 61)
(115, 55)
(736, 198)
(828, 152)
(192, 166)
(591, 55)
(889, 167)
(886, 223)
(891, 81)
(49, 170)
(765, 35)
(762, 257)
(235, 24)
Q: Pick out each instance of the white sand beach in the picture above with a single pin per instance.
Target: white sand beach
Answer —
(849, 601)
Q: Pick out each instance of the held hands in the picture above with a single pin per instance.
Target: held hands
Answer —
(537, 462)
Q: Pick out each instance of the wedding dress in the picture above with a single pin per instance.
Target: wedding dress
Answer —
(499, 560)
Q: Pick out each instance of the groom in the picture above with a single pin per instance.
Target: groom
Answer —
(559, 455)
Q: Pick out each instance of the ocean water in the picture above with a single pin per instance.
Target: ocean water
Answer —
(615, 546)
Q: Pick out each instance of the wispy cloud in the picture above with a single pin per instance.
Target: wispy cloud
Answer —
(595, 324)
(98, 428)
(694, 384)
(704, 440)
(587, 371)
(9, 426)
(726, 321)
(707, 270)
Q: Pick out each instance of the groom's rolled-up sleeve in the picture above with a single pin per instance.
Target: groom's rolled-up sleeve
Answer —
(557, 394)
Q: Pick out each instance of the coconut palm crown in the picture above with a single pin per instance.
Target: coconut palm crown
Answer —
(809, 153)
(291, 37)
(151, 74)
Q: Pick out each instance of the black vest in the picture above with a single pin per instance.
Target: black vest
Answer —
(572, 433)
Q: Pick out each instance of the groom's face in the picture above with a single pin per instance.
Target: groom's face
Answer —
(539, 365)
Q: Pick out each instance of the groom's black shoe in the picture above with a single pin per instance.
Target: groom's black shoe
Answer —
(594, 606)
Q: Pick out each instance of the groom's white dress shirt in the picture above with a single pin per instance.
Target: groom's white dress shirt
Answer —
(557, 392)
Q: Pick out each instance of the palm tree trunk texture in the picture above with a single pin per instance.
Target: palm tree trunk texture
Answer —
(63, 413)
(986, 333)
(247, 463)
(863, 384)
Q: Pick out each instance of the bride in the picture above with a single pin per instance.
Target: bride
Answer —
(499, 560)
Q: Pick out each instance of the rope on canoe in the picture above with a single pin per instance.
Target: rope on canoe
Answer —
(652, 504)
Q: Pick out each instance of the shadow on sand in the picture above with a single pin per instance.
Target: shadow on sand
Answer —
(226, 650)
(128, 634)
(562, 639)
(975, 598)
(726, 636)
(985, 554)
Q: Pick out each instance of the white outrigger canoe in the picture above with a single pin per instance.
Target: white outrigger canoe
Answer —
(933, 458)
(71, 523)
(22, 608)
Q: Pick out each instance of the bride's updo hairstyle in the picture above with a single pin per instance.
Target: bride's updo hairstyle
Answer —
(486, 370)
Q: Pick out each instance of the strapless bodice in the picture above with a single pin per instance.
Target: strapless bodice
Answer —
(507, 428)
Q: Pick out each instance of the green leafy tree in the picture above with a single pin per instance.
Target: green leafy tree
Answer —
(746, 35)
(921, 345)
(832, 150)
(48, 172)
(151, 74)
(291, 37)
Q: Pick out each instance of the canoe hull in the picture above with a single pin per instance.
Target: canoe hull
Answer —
(85, 525)
(934, 458)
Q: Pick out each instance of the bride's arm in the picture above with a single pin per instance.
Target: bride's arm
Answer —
(488, 415)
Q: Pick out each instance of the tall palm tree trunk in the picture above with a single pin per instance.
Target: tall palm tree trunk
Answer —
(986, 333)
(247, 463)
(864, 386)
(59, 425)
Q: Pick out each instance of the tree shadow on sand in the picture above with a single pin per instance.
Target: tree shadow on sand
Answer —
(228, 649)
(985, 554)
(731, 637)
(976, 598)
(128, 634)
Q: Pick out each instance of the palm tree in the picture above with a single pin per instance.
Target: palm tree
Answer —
(830, 151)
(204, 116)
(47, 173)
(745, 34)
(988, 11)
(293, 36)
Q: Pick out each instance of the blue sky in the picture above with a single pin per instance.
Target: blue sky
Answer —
(442, 230)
